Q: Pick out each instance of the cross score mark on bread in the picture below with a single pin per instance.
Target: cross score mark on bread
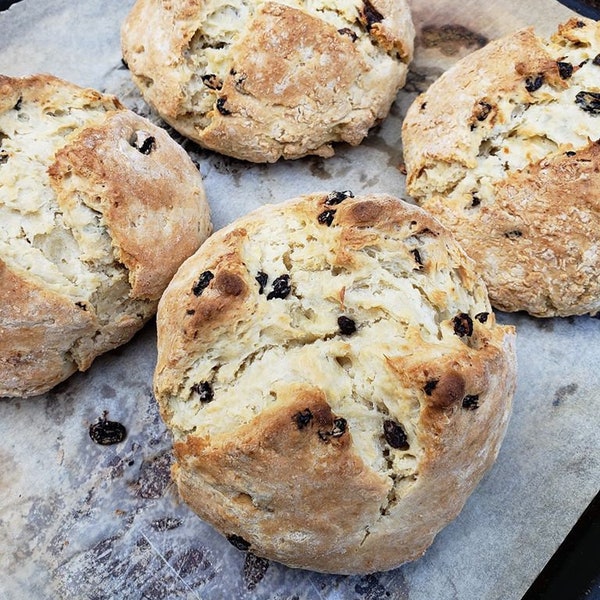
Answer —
(336, 386)
(263, 80)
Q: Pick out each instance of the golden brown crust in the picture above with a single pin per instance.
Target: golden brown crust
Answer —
(340, 446)
(268, 459)
(512, 167)
(481, 77)
(37, 329)
(125, 184)
(539, 253)
(98, 209)
(275, 80)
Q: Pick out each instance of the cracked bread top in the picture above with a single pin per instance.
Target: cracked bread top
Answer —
(504, 149)
(98, 208)
(261, 80)
(334, 379)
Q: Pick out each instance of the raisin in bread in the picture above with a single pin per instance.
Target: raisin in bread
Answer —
(504, 149)
(260, 80)
(334, 379)
(98, 208)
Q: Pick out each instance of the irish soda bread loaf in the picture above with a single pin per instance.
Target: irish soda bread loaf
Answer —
(504, 149)
(98, 208)
(334, 379)
(260, 80)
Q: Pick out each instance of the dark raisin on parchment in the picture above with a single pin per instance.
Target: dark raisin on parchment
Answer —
(106, 432)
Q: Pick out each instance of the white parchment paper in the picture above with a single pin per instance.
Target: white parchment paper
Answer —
(78, 520)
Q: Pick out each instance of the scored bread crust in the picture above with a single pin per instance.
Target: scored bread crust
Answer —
(93, 225)
(288, 421)
(260, 80)
(504, 149)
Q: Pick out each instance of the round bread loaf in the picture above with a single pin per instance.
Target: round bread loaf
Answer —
(98, 208)
(261, 80)
(334, 379)
(504, 149)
